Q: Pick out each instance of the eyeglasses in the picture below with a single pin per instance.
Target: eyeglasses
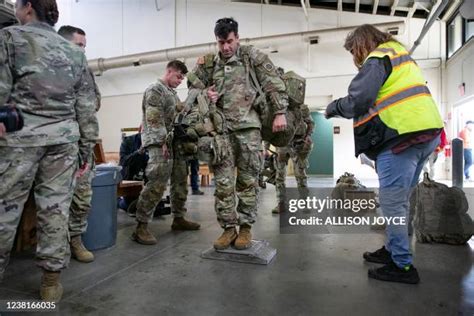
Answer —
(226, 21)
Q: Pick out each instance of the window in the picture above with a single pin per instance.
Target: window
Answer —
(458, 31)
(455, 34)
(469, 29)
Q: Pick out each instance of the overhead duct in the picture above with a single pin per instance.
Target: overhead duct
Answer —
(101, 65)
(453, 6)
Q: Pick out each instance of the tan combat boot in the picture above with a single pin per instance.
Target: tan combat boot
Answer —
(142, 235)
(51, 290)
(79, 252)
(226, 239)
(279, 208)
(179, 223)
(276, 209)
(244, 240)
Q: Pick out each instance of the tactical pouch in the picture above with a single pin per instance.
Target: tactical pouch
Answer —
(205, 149)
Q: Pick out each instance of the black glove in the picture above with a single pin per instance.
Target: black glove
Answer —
(12, 118)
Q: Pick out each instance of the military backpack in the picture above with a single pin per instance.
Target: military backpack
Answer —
(295, 88)
(440, 214)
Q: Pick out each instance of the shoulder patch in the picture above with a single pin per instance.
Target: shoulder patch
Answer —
(268, 66)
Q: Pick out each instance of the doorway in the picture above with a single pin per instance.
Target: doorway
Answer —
(321, 159)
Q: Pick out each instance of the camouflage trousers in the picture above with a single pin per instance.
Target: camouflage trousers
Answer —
(51, 168)
(81, 202)
(299, 155)
(158, 172)
(179, 181)
(236, 198)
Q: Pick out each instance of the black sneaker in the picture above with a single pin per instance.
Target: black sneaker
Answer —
(392, 273)
(198, 192)
(379, 256)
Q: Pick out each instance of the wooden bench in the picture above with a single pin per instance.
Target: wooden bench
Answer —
(129, 189)
(206, 175)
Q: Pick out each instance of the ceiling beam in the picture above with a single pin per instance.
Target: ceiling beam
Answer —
(303, 5)
(376, 5)
(394, 7)
(412, 10)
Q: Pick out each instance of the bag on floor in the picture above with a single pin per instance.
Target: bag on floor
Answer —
(346, 182)
(440, 213)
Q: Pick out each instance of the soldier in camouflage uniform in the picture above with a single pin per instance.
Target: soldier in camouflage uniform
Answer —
(298, 150)
(82, 197)
(225, 78)
(45, 76)
(159, 110)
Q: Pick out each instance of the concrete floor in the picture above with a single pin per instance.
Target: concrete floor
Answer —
(311, 274)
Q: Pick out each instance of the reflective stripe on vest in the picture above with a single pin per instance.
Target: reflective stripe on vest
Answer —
(392, 100)
(406, 87)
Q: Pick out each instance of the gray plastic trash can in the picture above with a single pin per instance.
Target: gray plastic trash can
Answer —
(102, 221)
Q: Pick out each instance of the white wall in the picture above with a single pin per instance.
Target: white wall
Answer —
(119, 27)
(130, 26)
(460, 69)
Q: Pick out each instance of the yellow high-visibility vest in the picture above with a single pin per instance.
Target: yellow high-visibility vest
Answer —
(404, 103)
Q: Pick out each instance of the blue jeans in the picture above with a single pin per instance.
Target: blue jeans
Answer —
(194, 165)
(398, 174)
(467, 161)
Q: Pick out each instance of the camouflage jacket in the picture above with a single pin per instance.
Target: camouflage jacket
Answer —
(47, 78)
(159, 108)
(236, 93)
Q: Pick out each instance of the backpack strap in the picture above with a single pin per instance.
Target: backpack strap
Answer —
(209, 63)
(251, 76)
